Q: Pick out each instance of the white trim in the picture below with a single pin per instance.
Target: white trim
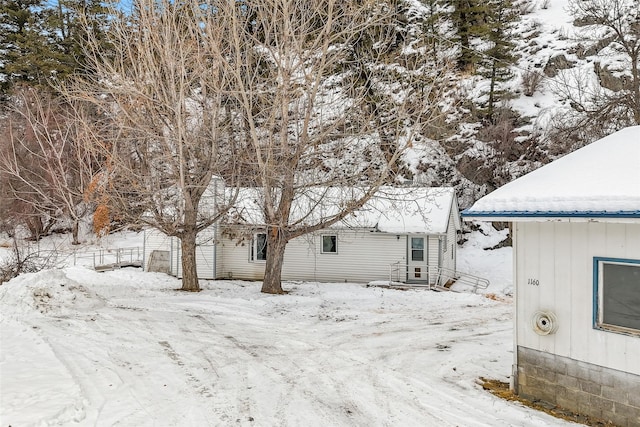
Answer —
(335, 236)
(599, 284)
(253, 248)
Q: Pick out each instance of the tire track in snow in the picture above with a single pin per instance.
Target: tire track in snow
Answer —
(380, 377)
(264, 363)
(341, 389)
(82, 368)
(288, 371)
(124, 379)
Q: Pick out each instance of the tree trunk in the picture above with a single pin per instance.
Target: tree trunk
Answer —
(189, 271)
(74, 232)
(635, 73)
(276, 244)
(492, 92)
(36, 228)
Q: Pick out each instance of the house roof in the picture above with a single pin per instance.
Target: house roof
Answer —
(393, 210)
(599, 180)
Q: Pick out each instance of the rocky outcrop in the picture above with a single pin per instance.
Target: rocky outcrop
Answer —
(608, 80)
(557, 63)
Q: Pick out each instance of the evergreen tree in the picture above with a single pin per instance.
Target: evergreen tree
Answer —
(26, 52)
(495, 64)
(431, 26)
(67, 17)
(41, 40)
(468, 19)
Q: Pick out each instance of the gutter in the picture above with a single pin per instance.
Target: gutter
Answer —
(550, 214)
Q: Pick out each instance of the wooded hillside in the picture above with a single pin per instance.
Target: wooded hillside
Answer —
(121, 114)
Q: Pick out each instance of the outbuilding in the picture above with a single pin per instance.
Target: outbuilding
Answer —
(576, 233)
(406, 234)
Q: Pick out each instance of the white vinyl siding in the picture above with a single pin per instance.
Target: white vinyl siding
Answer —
(450, 255)
(554, 272)
(433, 250)
(205, 255)
(154, 240)
(363, 256)
(233, 259)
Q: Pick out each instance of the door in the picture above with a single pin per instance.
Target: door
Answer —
(417, 259)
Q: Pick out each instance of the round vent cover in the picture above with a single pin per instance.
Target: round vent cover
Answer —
(544, 322)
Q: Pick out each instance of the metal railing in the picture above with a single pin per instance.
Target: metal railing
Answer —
(109, 258)
(459, 277)
(429, 275)
(99, 259)
(435, 277)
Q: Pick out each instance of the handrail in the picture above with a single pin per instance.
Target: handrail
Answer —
(468, 279)
(110, 256)
(105, 257)
(438, 276)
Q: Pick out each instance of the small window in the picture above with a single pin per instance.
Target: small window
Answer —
(617, 288)
(330, 244)
(417, 249)
(259, 247)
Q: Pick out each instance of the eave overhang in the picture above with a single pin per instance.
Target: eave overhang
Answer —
(543, 216)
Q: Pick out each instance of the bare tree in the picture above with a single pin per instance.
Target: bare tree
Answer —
(324, 112)
(608, 98)
(163, 124)
(45, 168)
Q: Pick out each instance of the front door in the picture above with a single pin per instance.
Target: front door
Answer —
(417, 259)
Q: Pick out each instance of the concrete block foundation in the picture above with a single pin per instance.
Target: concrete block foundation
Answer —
(580, 387)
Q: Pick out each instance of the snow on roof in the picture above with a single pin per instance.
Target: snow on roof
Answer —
(392, 210)
(599, 180)
(413, 210)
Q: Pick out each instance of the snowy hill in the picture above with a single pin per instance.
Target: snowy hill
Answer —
(568, 83)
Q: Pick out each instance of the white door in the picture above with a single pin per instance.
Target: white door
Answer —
(417, 259)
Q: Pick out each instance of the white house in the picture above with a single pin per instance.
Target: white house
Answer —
(576, 233)
(408, 233)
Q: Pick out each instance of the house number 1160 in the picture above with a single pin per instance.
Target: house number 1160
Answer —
(533, 282)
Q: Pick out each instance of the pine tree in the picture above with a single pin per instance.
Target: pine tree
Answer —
(432, 26)
(41, 40)
(26, 54)
(468, 18)
(66, 18)
(495, 64)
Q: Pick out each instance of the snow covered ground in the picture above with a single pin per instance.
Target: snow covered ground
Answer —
(125, 348)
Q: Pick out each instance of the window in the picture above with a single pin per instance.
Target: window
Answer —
(417, 249)
(259, 247)
(330, 244)
(617, 291)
